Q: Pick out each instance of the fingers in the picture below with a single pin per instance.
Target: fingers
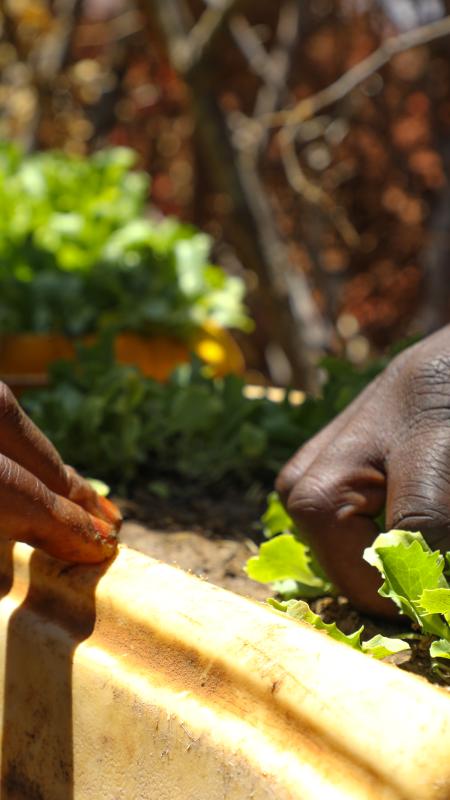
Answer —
(32, 513)
(335, 502)
(22, 442)
(419, 485)
(297, 466)
(81, 492)
(396, 433)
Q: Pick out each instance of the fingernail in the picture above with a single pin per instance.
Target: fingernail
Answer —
(103, 529)
(110, 510)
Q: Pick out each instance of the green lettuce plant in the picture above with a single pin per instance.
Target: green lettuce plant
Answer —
(415, 580)
(109, 420)
(78, 252)
(285, 560)
(414, 577)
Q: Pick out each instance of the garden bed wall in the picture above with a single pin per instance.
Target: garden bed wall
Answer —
(139, 680)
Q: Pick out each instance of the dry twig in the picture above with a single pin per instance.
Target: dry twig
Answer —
(315, 194)
(52, 59)
(205, 30)
(273, 68)
(391, 47)
(310, 106)
(272, 94)
(189, 44)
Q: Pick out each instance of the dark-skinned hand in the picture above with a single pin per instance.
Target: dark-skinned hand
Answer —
(390, 447)
(42, 501)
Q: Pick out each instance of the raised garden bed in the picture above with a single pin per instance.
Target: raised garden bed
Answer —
(138, 680)
(196, 459)
(213, 536)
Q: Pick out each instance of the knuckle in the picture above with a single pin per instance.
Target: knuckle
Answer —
(422, 392)
(285, 482)
(17, 483)
(293, 472)
(428, 381)
(433, 525)
(419, 514)
(434, 371)
(423, 507)
(312, 496)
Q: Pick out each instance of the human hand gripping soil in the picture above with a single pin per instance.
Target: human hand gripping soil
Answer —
(45, 503)
(390, 447)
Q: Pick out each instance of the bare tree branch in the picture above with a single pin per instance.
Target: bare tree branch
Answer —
(314, 194)
(55, 49)
(251, 47)
(392, 46)
(296, 322)
(272, 95)
(189, 44)
(172, 15)
(271, 67)
(206, 29)
(51, 58)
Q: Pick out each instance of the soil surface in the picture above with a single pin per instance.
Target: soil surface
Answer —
(213, 536)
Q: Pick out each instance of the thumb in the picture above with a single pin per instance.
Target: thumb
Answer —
(418, 491)
(334, 503)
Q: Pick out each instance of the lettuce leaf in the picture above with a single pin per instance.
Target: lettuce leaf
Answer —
(409, 567)
(282, 558)
(436, 601)
(286, 561)
(301, 611)
(414, 579)
(440, 649)
(383, 646)
(378, 647)
(276, 520)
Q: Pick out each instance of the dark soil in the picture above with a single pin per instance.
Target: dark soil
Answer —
(212, 535)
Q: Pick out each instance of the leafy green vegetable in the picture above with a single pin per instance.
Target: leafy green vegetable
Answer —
(78, 254)
(276, 520)
(378, 647)
(283, 558)
(108, 419)
(301, 611)
(383, 646)
(436, 601)
(414, 579)
(409, 567)
(286, 561)
(440, 649)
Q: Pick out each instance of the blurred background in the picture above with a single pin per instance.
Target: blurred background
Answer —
(323, 184)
